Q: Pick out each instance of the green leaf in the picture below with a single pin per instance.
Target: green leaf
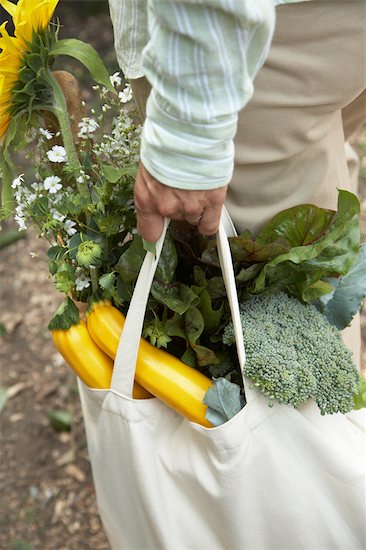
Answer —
(66, 316)
(224, 365)
(52, 266)
(57, 252)
(199, 277)
(155, 331)
(298, 226)
(124, 291)
(175, 327)
(2, 330)
(130, 262)
(249, 250)
(176, 296)
(347, 297)
(205, 356)
(60, 421)
(211, 317)
(87, 56)
(35, 62)
(108, 224)
(216, 288)
(72, 204)
(40, 208)
(194, 324)
(168, 261)
(114, 174)
(107, 281)
(64, 281)
(360, 397)
(313, 291)
(73, 244)
(189, 358)
(249, 273)
(334, 251)
(149, 246)
(224, 401)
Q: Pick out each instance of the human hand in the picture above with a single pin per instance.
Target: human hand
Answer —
(155, 201)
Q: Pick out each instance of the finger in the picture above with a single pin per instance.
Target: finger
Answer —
(149, 225)
(210, 220)
(193, 219)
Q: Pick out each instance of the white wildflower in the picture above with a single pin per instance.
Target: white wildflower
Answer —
(18, 195)
(19, 210)
(87, 127)
(36, 186)
(69, 227)
(82, 281)
(56, 215)
(83, 178)
(52, 184)
(17, 182)
(57, 197)
(57, 154)
(21, 222)
(30, 197)
(45, 133)
(126, 94)
(115, 79)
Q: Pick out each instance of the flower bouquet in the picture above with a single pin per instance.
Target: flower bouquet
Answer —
(300, 280)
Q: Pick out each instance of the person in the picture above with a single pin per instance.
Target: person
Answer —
(247, 103)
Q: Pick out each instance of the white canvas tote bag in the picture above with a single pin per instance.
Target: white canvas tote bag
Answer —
(270, 478)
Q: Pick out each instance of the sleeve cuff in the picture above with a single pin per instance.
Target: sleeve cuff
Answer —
(187, 155)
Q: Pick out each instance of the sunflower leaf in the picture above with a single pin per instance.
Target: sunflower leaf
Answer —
(87, 56)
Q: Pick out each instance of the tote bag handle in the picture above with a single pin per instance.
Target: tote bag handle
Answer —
(126, 357)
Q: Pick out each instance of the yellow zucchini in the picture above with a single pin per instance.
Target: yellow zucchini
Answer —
(179, 386)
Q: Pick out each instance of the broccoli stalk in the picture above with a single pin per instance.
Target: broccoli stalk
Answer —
(294, 354)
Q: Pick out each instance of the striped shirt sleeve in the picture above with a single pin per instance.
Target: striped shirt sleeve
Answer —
(129, 19)
(201, 59)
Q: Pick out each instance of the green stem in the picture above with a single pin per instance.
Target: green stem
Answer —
(94, 279)
(60, 110)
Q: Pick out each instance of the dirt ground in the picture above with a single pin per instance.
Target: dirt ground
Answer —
(47, 498)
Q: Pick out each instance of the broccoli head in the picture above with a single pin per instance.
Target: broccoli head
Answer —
(294, 354)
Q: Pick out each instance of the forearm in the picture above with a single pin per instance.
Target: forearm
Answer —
(201, 60)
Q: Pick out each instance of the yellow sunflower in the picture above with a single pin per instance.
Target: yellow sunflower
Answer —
(28, 16)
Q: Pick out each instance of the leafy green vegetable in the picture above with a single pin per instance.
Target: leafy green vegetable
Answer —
(224, 401)
(345, 300)
(333, 247)
(130, 262)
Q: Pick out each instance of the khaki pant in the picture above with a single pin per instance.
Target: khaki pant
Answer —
(309, 98)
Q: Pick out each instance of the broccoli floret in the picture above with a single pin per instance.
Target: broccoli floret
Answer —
(294, 354)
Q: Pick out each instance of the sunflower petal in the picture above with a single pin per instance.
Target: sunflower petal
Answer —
(8, 6)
